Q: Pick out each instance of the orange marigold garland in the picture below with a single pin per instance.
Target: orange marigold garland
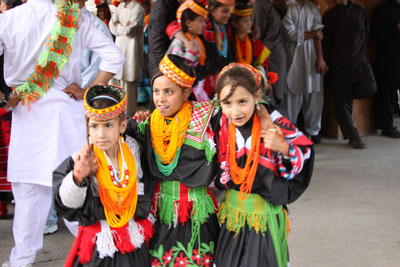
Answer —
(52, 61)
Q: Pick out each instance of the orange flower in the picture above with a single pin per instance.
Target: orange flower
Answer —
(272, 77)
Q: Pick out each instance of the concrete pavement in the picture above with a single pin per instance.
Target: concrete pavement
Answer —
(349, 216)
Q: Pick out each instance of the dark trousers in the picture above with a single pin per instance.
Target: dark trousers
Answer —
(385, 102)
(347, 86)
(343, 102)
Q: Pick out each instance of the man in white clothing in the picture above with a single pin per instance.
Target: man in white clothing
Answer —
(54, 126)
(305, 65)
(127, 25)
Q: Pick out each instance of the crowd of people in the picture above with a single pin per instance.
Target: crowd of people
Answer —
(227, 82)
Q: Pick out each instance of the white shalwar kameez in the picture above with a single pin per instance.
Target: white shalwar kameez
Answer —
(54, 127)
(127, 25)
(304, 83)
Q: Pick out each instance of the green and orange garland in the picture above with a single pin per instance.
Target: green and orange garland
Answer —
(52, 61)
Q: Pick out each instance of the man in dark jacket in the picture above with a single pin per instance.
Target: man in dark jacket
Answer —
(269, 21)
(386, 31)
(162, 13)
(350, 75)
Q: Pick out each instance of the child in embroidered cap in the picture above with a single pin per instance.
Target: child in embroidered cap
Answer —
(246, 46)
(216, 33)
(105, 190)
(191, 16)
(261, 170)
(179, 149)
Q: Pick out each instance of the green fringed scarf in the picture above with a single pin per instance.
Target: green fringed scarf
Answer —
(178, 204)
(259, 215)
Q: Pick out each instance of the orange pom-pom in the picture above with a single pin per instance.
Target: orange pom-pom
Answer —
(272, 77)
(115, 3)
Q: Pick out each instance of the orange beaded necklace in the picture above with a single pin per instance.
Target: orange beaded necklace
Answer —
(248, 50)
(245, 176)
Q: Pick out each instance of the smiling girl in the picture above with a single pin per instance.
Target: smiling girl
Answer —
(178, 137)
(101, 190)
(261, 170)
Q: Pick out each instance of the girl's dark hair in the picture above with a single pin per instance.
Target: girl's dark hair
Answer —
(213, 4)
(188, 14)
(236, 76)
(107, 9)
(255, 33)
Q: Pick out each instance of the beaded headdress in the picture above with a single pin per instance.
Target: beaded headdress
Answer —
(110, 92)
(174, 73)
(227, 2)
(255, 72)
(242, 12)
(192, 5)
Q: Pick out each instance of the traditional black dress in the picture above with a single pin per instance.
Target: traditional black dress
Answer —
(97, 244)
(187, 227)
(254, 231)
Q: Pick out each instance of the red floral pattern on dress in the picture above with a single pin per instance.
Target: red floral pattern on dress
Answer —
(155, 263)
(181, 261)
(196, 256)
(207, 260)
(167, 258)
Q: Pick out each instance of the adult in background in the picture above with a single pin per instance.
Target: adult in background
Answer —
(104, 13)
(49, 122)
(350, 75)
(269, 21)
(386, 31)
(5, 125)
(162, 13)
(303, 24)
(90, 64)
(126, 25)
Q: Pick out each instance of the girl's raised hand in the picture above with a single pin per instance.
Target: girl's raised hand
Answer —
(274, 140)
(141, 115)
(82, 165)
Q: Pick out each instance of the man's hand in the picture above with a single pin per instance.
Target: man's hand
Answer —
(12, 101)
(318, 34)
(74, 91)
(320, 66)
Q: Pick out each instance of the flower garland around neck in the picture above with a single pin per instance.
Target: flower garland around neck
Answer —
(117, 194)
(168, 135)
(51, 62)
(202, 51)
(227, 156)
(248, 50)
(221, 45)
